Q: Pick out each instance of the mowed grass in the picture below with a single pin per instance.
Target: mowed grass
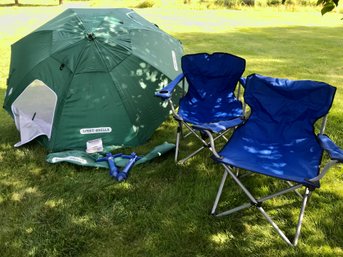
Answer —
(163, 209)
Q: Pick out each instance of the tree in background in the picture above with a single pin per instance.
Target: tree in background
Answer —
(16, 2)
(328, 5)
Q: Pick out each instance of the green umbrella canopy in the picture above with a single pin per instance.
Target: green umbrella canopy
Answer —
(89, 74)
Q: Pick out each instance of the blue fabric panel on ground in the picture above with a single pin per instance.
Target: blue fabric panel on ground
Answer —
(212, 79)
(278, 139)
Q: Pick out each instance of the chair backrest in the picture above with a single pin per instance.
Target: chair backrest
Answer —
(212, 79)
(285, 110)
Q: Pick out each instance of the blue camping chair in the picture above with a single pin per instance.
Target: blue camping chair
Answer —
(279, 140)
(210, 102)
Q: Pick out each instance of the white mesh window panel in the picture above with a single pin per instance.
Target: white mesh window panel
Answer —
(33, 111)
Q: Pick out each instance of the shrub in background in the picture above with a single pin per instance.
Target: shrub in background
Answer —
(146, 4)
(228, 3)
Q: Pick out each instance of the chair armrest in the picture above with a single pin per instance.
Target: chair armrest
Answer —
(212, 145)
(166, 92)
(242, 81)
(333, 150)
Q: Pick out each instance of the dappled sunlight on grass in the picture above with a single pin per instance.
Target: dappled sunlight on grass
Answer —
(163, 208)
(126, 186)
(20, 195)
(221, 239)
(37, 171)
(54, 203)
(84, 220)
(12, 183)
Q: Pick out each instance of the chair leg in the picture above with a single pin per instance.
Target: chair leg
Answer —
(295, 191)
(225, 138)
(278, 230)
(205, 145)
(191, 155)
(177, 144)
(200, 137)
(237, 172)
(258, 202)
(178, 136)
(233, 210)
(219, 193)
(301, 215)
(246, 174)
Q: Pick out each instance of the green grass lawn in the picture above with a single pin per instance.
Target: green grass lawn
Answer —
(163, 209)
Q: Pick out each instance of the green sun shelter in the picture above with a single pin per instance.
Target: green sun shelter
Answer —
(90, 74)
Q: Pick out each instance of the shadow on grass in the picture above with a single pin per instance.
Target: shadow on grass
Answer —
(163, 208)
(198, 234)
(318, 227)
(9, 133)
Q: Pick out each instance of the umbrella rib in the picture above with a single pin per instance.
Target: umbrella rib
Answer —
(81, 21)
(121, 93)
(99, 51)
(69, 46)
(50, 55)
(63, 97)
(109, 69)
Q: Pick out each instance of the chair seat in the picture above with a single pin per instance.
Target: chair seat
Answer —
(209, 112)
(297, 160)
(219, 126)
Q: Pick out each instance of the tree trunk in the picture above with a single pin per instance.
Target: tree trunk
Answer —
(60, 2)
(16, 2)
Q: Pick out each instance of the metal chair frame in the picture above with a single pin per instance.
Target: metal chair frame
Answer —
(193, 130)
(257, 202)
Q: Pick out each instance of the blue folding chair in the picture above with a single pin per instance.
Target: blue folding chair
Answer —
(278, 140)
(210, 102)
